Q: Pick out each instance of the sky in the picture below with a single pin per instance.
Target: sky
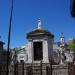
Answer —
(55, 16)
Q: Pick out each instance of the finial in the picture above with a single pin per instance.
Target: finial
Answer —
(39, 24)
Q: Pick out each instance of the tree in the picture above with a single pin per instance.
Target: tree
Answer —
(71, 47)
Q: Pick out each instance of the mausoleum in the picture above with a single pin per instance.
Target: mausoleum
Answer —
(40, 45)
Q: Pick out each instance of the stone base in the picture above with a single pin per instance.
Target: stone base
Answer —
(60, 69)
(38, 68)
(31, 69)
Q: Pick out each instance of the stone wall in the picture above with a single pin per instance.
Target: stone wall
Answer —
(60, 70)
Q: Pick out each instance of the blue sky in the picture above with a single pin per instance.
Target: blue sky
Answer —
(55, 15)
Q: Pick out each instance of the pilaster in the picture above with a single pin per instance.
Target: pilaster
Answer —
(45, 51)
(30, 51)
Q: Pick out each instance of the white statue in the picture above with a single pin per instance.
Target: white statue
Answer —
(62, 49)
(13, 56)
(69, 57)
(62, 56)
(39, 24)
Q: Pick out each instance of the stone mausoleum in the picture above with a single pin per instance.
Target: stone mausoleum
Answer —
(40, 45)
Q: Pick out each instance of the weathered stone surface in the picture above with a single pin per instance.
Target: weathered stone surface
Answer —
(60, 70)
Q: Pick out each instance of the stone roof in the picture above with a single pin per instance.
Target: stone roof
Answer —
(38, 32)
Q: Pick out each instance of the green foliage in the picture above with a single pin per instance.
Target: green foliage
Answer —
(71, 47)
(17, 50)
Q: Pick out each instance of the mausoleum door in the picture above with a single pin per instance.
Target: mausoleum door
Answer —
(38, 50)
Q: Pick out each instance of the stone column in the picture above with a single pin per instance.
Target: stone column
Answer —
(45, 51)
(30, 51)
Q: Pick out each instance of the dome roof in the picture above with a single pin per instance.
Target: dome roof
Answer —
(38, 32)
